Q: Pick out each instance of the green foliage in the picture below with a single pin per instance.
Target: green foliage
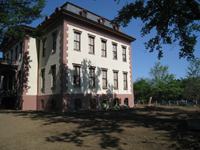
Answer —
(191, 88)
(15, 13)
(142, 89)
(162, 85)
(160, 74)
(174, 20)
(193, 69)
(191, 84)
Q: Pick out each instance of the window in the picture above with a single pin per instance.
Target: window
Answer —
(91, 45)
(77, 41)
(8, 56)
(53, 105)
(93, 103)
(44, 47)
(123, 53)
(16, 49)
(101, 20)
(116, 27)
(19, 79)
(43, 79)
(42, 104)
(53, 76)
(126, 101)
(104, 78)
(20, 50)
(115, 77)
(77, 79)
(125, 80)
(114, 51)
(77, 104)
(83, 13)
(103, 48)
(91, 77)
(12, 54)
(54, 42)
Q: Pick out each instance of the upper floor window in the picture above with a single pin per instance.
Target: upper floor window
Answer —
(53, 76)
(77, 41)
(11, 54)
(101, 20)
(54, 41)
(116, 27)
(16, 51)
(115, 78)
(43, 47)
(125, 80)
(43, 79)
(91, 45)
(83, 13)
(114, 51)
(19, 79)
(124, 53)
(91, 77)
(104, 78)
(103, 48)
(77, 78)
(20, 50)
(8, 56)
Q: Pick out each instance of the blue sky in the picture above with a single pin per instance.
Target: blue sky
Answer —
(142, 60)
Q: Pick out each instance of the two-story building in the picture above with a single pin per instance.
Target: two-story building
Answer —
(82, 61)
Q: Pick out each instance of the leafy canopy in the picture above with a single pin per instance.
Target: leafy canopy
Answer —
(174, 21)
(193, 70)
(142, 89)
(14, 13)
(160, 74)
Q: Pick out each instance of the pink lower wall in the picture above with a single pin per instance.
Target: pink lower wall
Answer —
(29, 102)
(65, 102)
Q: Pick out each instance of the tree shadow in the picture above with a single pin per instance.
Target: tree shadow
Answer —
(109, 126)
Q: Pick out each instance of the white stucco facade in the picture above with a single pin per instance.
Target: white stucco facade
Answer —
(33, 69)
(85, 59)
(50, 59)
(47, 65)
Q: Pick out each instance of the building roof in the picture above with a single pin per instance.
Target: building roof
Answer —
(69, 10)
(90, 15)
(72, 11)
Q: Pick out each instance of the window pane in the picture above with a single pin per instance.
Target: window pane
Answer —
(115, 83)
(104, 82)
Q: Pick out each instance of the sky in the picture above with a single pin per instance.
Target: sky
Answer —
(142, 60)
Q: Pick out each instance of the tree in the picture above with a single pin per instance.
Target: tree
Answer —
(14, 13)
(162, 82)
(193, 69)
(192, 83)
(160, 74)
(174, 20)
(142, 89)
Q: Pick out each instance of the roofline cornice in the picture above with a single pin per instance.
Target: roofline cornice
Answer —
(61, 14)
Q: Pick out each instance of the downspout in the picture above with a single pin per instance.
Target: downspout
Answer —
(38, 57)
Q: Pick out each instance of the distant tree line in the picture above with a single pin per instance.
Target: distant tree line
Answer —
(163, 86)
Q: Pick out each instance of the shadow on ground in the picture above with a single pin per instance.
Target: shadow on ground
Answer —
(105, 125)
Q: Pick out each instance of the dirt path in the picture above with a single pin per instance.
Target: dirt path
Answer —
(150, 128)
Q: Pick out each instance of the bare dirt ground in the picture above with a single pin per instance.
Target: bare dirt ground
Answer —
(152, 128)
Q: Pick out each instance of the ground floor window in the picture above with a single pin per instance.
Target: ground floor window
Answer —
(92, 103)
(126, 101)
(116, 101)
(42, 104)
(77, 104)
(53, 105)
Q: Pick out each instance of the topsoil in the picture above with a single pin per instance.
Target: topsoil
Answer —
(154, 128)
